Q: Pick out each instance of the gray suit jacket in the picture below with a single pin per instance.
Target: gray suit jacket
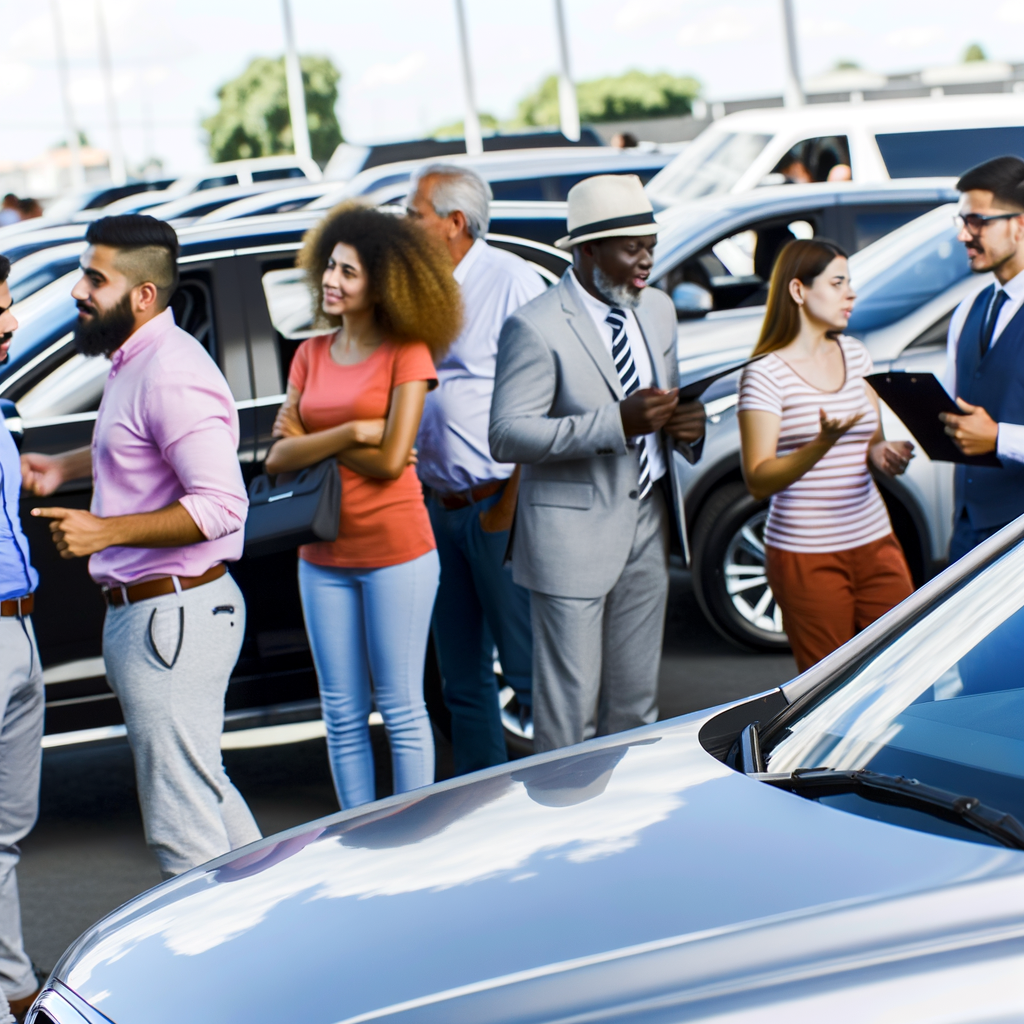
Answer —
(555, 410)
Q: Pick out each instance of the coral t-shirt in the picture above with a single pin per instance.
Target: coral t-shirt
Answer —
(383, 522)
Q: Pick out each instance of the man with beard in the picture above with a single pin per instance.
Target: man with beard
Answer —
(168, 510)
(985, 355)
(21, 702)
(585, 398)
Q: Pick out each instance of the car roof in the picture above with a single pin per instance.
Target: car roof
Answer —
(184, 205)
(909, 115)
(700, 218)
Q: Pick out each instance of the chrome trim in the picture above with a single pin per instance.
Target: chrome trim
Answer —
(50, 350)
(258, 403)
(219, 254)
(278, 247)
(71, 417)
(65, 1006)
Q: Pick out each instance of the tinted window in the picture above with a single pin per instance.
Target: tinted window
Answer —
(277, 174)
(224, 179)
(871, 225)
(814, 159)
(553, 188)
(950, 152)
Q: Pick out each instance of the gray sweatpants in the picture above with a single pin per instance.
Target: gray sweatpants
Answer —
(596, 660)
(21, 712)
(169, 660)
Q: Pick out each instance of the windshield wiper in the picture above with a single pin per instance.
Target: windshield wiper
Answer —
(999, 825)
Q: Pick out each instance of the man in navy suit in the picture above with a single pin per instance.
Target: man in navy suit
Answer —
(985, 355)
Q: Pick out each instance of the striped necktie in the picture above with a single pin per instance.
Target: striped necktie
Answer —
(622, 356)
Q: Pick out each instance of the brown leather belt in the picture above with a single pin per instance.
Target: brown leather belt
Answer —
(20, 606)
(451, 502)
(116, 595)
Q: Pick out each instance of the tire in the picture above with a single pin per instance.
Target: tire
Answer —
(728, 564)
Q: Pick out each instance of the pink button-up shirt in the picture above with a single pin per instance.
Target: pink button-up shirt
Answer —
(166, 431)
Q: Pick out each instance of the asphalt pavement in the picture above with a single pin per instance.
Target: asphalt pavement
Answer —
(87, 854)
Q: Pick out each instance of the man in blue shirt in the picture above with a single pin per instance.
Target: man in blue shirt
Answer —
(21, 701)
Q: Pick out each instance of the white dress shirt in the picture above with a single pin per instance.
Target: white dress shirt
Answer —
(454, 453)
(598, 311)
(1010, 441)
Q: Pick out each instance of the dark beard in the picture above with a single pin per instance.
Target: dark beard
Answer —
(105, 332)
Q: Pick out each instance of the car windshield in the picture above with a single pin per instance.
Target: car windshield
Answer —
(900, 272)
(943, 703)
(713, 163)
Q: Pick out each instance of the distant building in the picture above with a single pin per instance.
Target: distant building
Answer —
(50, 174)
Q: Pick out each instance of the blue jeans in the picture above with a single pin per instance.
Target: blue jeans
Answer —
(966, 537)
(363, 624)
(478, 608)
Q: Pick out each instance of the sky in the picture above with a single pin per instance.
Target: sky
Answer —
(399, 58)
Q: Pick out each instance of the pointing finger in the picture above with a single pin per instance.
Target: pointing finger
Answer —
(51, 513)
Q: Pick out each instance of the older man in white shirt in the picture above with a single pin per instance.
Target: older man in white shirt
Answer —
(470, 497)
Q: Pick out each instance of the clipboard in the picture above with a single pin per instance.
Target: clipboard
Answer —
(918, 398)
(692, 391)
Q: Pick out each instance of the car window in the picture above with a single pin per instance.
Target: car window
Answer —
(278, 174)
(943, 703)
(872, 224)
(815, 160)
(904, 270)
(224, 179)
(948, 152)
(553, 188)
(710, 165)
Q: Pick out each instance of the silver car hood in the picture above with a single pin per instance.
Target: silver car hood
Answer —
(621, 873)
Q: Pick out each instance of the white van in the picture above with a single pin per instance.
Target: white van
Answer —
(877, 140)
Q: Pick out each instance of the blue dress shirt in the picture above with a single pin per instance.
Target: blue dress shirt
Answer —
(17, 577)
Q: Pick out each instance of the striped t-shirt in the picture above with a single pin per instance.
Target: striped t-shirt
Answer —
(835, 505)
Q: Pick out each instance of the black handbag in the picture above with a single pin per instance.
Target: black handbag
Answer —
(293, 508)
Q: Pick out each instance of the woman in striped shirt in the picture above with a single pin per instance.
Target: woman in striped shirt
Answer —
(809, 425)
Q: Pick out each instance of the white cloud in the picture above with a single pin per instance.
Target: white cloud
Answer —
(821, 28)
(915, 38)
(1011, 12)
(636, 14)
(725, 26)
(393, 74)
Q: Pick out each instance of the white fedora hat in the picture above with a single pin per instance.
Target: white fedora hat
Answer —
(608, 206)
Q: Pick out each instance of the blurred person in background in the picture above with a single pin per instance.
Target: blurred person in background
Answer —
(10, 211)
(585, 398)
(809, 427)
(985, 355)
(29, 209)
(21, 702)
(168, 511)
(357, 394)
(471, 497)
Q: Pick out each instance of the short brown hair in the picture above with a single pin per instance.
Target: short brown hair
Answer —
(1003, 177)
(415, 295)
(803, 260)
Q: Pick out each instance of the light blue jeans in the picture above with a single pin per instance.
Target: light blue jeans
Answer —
(368, 624)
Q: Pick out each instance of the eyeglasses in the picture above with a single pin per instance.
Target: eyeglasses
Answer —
(975, 222)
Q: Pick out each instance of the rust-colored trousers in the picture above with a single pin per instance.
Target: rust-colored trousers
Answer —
(828, 598)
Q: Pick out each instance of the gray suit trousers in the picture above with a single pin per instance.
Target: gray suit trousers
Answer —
(596, 660)
(21, 714)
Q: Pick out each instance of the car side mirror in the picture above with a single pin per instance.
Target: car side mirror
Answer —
(691, 301)
(9, 411)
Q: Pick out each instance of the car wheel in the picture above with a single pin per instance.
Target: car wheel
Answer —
(729, 572)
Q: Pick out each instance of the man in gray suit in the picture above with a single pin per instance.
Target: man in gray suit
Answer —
(585, 399)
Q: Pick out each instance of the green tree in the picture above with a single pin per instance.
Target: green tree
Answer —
(634, 95)
(974, 52)
(253, 119)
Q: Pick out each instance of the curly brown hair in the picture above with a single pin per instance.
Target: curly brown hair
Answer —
(416, 297)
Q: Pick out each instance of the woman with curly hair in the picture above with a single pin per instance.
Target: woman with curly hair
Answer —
(357, 394)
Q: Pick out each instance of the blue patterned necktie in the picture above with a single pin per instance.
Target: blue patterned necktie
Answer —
(990, 321)
(622, 356)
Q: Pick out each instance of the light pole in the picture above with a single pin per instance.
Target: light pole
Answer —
(296, 91)
(471, 121)
(77, 173)
(793, 95)
(118, 174)
(568, 109)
